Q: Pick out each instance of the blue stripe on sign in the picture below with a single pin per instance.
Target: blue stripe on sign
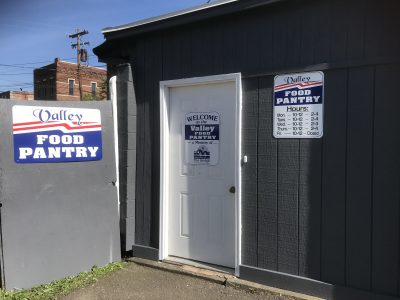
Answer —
(296, 96)
(56, 146)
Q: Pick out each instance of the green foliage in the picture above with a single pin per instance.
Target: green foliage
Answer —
(103, 92)
(101, 95)
(61, 287)
(90, 97)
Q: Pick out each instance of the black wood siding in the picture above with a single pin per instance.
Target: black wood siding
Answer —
(328, 208)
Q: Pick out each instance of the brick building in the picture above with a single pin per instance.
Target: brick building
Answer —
(16, 95)
(59, 81)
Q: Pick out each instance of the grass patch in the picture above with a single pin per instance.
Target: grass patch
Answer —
(61, 287)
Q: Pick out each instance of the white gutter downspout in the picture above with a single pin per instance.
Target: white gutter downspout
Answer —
(113, 97)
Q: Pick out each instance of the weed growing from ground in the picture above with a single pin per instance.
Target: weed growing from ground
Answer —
(61, 287)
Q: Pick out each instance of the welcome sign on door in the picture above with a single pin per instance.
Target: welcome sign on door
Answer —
(202, 138)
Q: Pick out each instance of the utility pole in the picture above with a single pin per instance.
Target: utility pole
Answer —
(78, 45)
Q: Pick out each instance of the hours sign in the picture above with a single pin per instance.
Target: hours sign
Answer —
(298, 105)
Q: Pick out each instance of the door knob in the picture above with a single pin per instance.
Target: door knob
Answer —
(232, 190)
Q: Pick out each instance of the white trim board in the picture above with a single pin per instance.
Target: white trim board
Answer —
(164, 155)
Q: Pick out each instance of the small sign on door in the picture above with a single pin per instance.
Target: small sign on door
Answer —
(202, 138)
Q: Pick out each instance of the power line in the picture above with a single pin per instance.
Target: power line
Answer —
(44, 67)
(14, 81)
(12, 74)
(19, 65)
(16, 85)
(86, 70)
(48, 61)
(38, 62)
(31, 25)
(14, 66)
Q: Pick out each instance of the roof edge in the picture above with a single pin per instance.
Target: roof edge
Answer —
(115, 36)
(167, 16)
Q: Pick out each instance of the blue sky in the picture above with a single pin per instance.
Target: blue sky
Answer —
(34, 32)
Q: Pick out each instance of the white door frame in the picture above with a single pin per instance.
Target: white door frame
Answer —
(164, 155)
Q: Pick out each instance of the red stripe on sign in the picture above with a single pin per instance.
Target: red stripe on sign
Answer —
(298, 84)
(56, 125)
(31, 123)
(52, 122)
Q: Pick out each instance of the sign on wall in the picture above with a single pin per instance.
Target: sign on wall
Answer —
(298, 105)
(56, 134)
(202, 138)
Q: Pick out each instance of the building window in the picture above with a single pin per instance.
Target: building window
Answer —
(94, 88)
(71, 84)
(51, 87)
(44, 88)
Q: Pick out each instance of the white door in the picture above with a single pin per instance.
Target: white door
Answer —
(201, 205)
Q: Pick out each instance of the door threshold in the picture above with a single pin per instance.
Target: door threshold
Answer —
(199, 265)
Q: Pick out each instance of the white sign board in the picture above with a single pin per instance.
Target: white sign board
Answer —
(56, 134)
(202, 138)
(298, 105)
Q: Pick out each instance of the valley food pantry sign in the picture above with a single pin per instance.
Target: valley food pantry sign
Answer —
(298, 105)
(56, 134)
(202, 138)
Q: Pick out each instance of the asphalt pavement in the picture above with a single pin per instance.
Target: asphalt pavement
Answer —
(138, 280)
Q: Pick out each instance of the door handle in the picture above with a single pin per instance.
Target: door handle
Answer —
(232, 190)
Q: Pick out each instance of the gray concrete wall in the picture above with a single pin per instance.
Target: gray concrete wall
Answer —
(57, 219)
(127, 113)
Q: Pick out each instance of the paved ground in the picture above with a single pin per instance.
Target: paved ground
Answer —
(138, 282)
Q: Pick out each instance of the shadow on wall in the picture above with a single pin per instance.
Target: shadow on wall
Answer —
(326, 209)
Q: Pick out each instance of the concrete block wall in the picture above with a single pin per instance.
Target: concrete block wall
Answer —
(127, 153)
